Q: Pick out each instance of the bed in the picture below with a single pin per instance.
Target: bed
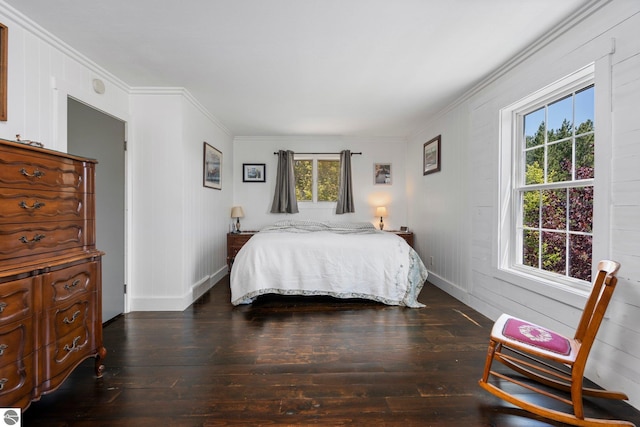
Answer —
(342, 260)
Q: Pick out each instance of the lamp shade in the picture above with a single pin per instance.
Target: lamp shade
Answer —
(237, 212)
(381, 211)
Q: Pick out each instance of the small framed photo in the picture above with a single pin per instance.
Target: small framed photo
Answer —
(431, 156)
(382, 173)
(253, 172)
(212, 172)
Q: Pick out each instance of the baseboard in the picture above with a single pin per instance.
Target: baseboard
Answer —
(178, 303)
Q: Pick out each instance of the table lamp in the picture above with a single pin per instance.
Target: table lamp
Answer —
(381, 211)
(237, 213)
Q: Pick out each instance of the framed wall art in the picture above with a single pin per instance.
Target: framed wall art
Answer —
(253, 172)
(382, 173)
(212, 172)
(431, 156)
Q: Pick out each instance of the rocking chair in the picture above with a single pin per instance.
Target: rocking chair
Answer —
(551, 359)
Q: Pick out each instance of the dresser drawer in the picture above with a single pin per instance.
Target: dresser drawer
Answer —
(66, 352)
(31, 170)
(16, 300)
(69, 320)
(63, 285)
(16, 383)
(20, 206)
(16, 341)
(19, 240)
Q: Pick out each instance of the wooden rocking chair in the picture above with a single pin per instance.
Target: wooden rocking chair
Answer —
(552, 360)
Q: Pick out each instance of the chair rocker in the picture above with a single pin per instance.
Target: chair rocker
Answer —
(554, 362)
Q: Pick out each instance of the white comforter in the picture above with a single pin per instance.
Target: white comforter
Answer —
(338, 260)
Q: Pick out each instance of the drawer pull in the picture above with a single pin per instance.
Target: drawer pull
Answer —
(75, 283)
(36, 205)
(3, 381)
(36, 173)
(3, 347)
(3, 305)
(74, 345)
(73, 318)
(36, 238)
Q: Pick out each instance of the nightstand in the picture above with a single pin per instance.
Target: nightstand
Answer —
(406, 235)
(235, 241)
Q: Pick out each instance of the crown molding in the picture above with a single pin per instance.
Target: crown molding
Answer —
(37, 31)
(183, 92)
(33, 28)
(319, 138)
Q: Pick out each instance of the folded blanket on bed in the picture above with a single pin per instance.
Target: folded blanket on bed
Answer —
(307, 226)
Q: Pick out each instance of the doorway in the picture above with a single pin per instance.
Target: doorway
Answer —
(94, 134)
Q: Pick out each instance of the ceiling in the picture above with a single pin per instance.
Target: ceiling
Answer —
(304, 67)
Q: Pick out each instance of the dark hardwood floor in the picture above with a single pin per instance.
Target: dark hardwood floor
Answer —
(292, 361)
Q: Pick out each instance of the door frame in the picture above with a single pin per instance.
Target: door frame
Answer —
(62, 92)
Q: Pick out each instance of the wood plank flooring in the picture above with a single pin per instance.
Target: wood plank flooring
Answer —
(291, 362)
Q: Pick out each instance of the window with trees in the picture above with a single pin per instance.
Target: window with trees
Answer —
(317, 178)
(556, 190)
(551, 200)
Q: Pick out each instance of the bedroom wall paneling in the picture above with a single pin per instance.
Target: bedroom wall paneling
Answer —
(471, 272)
(43, 73)
(256, 198)
(179, 232)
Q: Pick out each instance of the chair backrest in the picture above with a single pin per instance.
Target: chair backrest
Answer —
(596, 306)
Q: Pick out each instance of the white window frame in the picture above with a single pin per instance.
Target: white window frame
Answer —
(510, 169)
(314, 174)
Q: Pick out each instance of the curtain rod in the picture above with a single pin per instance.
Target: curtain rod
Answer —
(275, 152)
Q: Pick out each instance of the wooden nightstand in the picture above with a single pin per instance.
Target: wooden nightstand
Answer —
(406, 235)
(235, 241)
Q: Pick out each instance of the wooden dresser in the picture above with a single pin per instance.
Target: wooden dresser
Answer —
(50, 271)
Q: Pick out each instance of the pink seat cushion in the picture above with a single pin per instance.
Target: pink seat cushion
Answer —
(536, 336)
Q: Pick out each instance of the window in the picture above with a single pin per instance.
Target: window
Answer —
(317, 178)
(551, 200)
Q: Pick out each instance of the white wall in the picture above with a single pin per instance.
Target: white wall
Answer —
(461, 202)
(42, 73)
(256, 198)
(178, 235)
(176, 227)
(205, 229)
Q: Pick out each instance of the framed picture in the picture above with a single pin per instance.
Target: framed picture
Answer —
(382, 173)
(4, 35)
(212, 171)
(431, 156)
(253, 172)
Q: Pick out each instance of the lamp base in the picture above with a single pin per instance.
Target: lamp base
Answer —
(238, 225)
(381, 224)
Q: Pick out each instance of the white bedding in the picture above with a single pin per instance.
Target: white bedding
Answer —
(342, 260)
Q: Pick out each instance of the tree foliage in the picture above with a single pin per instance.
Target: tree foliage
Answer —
(558, 222)
(327, 180)
(303, 171)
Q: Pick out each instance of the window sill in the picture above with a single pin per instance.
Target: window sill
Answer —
(572, 293)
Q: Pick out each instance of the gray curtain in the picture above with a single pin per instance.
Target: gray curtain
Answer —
(345, 190)
(284, 198)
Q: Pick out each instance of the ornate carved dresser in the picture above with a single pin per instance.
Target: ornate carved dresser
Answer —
(50, 271)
